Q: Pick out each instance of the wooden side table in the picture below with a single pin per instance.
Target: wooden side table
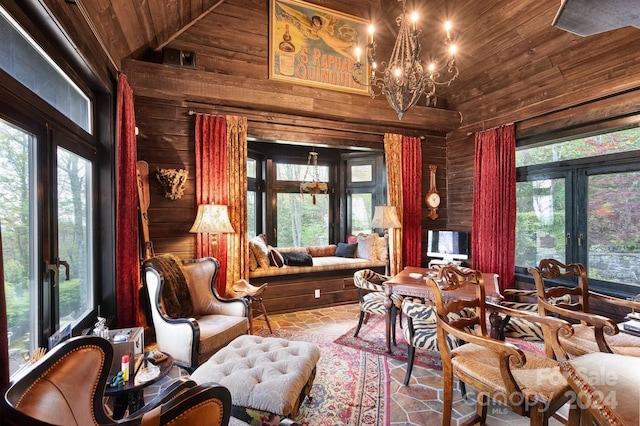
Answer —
(131, 395)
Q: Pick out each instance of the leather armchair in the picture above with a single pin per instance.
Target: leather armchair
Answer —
(191, 323)
(66, 387)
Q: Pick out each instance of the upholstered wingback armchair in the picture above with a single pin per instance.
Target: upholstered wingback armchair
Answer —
(190, 319)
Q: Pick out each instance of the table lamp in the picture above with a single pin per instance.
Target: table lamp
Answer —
(212, 219)
(386, 217)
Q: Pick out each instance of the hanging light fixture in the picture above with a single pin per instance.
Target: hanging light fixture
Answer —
(403, 80)
(313, 186)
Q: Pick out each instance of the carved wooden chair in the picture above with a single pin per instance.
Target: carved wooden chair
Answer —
(592, 333)
(528, 384)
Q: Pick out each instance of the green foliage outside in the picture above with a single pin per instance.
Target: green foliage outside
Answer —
(613, 202)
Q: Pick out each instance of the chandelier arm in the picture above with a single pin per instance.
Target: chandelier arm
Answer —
(402, 79)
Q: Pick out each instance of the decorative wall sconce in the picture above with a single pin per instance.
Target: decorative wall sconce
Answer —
(173, 181)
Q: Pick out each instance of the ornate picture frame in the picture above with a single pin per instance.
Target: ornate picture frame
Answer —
(314, 46)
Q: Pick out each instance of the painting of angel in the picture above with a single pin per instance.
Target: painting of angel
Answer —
(313, 45)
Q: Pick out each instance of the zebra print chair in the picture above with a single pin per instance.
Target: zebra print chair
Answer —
(371, 294)
(518, 327)
(421, 330)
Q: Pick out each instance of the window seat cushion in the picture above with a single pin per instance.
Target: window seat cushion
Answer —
(325, 263)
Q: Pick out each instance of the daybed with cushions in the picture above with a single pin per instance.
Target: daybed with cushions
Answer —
(296, 274)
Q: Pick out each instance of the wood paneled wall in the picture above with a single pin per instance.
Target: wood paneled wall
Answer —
(166, 140)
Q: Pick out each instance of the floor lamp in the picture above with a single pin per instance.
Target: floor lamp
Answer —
(212, 219)
(386, 217)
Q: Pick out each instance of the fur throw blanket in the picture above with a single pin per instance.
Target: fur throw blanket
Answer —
(175, 296)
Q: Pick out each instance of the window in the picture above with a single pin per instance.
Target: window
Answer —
(363, 191)
(289, 218)
(300, 219)
(253, 187)
(579, 201)
(48, 195)
(24, 60)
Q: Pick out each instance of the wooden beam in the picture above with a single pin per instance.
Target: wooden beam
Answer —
(170, 82)
(169, 39)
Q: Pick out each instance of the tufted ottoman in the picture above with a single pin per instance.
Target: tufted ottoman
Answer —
(268, 374)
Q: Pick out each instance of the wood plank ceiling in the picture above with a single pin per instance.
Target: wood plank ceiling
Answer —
(512, 59)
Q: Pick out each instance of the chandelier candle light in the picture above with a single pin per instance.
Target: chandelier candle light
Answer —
(403, 80)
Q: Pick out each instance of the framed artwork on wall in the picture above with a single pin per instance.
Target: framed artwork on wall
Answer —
(314, 46)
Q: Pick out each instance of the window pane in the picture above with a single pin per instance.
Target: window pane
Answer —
(301, 172)
(540, 221)
(74, 236)
(25, 61)
(362, 173)
(610, 143)
(614, 227)
(251, 168)
(361, 213)
(301, 222)
(18, 239)
(251, 214)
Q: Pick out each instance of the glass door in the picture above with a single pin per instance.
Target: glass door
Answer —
(46, 220)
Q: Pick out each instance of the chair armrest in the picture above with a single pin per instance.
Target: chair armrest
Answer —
(515, 293)
(631, 304)
(238, 307)
(597, 321)
(552, 327)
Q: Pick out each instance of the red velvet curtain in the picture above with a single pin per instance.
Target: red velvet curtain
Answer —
(212, 183)
(494, 204)
(411, 201)
(127, 254)
(4, 328)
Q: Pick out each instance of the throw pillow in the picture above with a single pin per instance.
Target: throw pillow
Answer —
(253, 262)
(382, 250)
(297, 258)
(322, 251)
(367, 246)
(346, 250)
(258, 245)
(275, 258)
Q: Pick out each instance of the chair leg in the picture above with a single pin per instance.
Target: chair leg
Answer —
(360, 321)
(481, 407)
(263, 311)
(411, 352)
(393, 324)
(447, 394)
(463, 389)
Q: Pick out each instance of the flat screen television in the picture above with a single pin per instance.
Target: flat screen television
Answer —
(450, 246)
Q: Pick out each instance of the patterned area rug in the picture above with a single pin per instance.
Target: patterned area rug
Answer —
(351, 386)
(371, 339)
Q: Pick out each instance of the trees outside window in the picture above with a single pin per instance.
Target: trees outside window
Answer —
(579, 201)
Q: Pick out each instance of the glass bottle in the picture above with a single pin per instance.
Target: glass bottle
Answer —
(286, 53)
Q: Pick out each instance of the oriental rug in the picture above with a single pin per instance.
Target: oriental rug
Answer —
(371, 339)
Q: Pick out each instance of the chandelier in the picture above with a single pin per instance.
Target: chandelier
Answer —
(313, 186)
(403, 80)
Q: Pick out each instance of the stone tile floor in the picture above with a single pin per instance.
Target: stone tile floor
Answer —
(417, 404)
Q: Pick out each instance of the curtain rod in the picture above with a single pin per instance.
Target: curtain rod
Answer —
(192, 112)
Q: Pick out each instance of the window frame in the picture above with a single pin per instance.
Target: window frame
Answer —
(576, 173)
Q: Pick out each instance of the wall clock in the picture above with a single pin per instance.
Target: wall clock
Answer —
(432, 198)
